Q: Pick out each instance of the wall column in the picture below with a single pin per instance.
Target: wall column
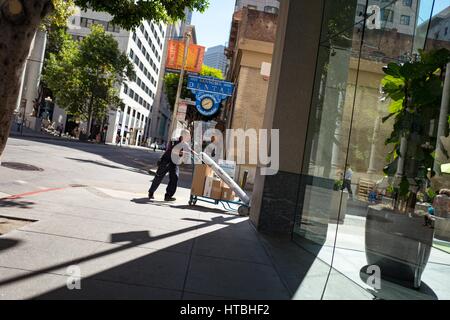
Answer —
(275, 198)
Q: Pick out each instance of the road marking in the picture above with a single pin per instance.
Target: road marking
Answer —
(4, 195)
(32, 193)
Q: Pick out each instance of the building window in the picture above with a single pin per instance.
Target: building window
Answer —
(405, 20)
(112, 28)
(270, 9)
(407, 3)
(387, 15)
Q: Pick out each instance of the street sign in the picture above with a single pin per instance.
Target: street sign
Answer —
(209, 93)
(210, 85)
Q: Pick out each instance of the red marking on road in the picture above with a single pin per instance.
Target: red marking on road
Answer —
(32, 193)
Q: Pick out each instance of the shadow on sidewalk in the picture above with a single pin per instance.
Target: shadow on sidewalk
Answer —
(6, 243)
(164, 204)
(226, 272)
(98, 163)
(16, 203)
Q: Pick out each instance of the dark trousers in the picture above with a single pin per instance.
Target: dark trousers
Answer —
(164, 168)
(348, 185)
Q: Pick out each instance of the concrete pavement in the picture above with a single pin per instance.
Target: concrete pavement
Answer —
(86, 208)
(90, 210)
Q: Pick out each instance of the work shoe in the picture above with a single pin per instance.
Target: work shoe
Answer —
(151, 196)
(170, 199)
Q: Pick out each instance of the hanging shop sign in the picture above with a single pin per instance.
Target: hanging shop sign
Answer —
(209, 93)
(175, 54)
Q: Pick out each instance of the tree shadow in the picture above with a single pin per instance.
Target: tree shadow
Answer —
(106, 165)
(16, 203)
(124, 241)
(147, 201)
(6, 243)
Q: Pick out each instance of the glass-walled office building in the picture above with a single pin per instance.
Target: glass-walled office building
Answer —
(360, 93)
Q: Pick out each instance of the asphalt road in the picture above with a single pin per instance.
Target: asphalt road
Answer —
(66, 163)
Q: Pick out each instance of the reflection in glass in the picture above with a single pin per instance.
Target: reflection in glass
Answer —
(345, 188)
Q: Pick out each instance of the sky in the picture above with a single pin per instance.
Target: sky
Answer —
(426, 6)
(213, 26)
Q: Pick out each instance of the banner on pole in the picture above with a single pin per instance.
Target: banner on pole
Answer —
(175, 53)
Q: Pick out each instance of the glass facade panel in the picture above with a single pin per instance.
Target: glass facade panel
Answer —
(368, 207)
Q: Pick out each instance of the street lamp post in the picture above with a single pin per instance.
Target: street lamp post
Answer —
(174, 123)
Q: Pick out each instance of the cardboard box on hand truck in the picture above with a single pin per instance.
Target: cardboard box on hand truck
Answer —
(201, 172)
(213, 188)
(227, 194)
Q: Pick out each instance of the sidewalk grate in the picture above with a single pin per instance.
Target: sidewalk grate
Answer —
(20, 166)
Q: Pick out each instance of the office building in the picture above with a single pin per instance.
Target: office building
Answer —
(215, 58)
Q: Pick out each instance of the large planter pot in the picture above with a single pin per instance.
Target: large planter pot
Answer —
(399, 244)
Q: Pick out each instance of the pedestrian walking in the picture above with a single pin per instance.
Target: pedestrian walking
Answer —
(166, 165)
(118, 139)
(348, 181)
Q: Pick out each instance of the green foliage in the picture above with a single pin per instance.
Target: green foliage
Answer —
(130, 14)
(431, 195)
(83, 76)
(338, 184)
(415, 91)
(62, 10)
(211, 72)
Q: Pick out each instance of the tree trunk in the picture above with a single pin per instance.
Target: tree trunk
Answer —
(19, 20)
(90, 116)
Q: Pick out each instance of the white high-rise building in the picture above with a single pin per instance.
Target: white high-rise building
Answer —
(144, 46)
(400, 15)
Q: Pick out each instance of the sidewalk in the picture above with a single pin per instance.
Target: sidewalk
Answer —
(132, 249)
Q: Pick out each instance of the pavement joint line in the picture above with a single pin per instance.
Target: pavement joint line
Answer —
(146, 247)
(118, 211)
(153, 249)
(188, 267)
(92, 277)
(115, 221)
(274, 266)
(57, 213)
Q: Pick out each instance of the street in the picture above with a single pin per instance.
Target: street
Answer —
(84, 218)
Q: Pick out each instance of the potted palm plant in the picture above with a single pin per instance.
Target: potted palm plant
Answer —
(396, 238)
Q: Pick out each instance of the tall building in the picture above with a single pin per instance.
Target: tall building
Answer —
(440, 26)
(144, 46)
(158, 129)
(250, 48)
(398, 15)
(270, 6)
(215, 58)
